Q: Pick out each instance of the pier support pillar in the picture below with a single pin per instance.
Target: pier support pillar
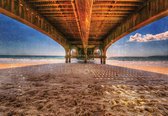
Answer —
(68, 55)
(104, 60)
(103, 56)
(101, 60)
(66, 59)
(69, 58)
(85, 60)
(85, 52)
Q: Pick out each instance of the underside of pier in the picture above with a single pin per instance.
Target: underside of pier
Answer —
(88, 26)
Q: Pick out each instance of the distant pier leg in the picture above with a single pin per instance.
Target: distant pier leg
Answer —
(66, 59)
(103, 57)
(104, 60)
(69, 59)
(101, 60)
(85, 60)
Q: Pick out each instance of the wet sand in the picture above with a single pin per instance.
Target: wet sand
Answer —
(82, 90)
(14, 63)
(157, 67)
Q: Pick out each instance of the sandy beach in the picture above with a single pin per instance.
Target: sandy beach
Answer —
(151, 66)
(7, 63)
(82, 90)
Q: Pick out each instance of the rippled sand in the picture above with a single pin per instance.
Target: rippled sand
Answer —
(82, 90)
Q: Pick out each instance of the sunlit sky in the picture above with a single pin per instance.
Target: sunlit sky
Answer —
(125, 48)
(19, 39)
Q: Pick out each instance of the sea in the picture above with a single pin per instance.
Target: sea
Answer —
(49, 58)
(149, 61)
(148, 58)
(8, 59)
(158, 64)
(160, 60)
(30, 57)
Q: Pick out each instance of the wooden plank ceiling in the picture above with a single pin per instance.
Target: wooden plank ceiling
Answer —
(86, 22)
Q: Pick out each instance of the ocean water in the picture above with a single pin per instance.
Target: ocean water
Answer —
(153, 61)
(11, 59)
(159, 60)
(150, 58)
(30, 57)
(156, 64)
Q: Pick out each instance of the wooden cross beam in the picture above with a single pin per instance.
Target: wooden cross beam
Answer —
(84, 11)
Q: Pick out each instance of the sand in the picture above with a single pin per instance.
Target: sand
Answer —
(6, 66)
(7, 63)
(82, 90)
(151, 66)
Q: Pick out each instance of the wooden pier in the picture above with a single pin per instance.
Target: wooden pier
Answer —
(88, 27)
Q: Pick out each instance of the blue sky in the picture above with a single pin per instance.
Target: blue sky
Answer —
(19, 39)
(125, 48)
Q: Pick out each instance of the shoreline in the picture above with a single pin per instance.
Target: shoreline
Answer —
(151, 66)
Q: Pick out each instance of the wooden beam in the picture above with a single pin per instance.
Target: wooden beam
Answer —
(56, 12)
(119, 0)
(106, 18)
(102, 19)
(52, 5)
(118, 4)
(109, 12)
(109, 15)
(36, 1)
(66, 21)
(68, 16)
(76, 16)
(84, 11)
(61, 18)
(96, 42)
(114, 9)
(52, 8)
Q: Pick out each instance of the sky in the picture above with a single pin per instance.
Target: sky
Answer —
(19, 39)
(149, 40)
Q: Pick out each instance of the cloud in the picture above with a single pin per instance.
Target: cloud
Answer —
(148, 37)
